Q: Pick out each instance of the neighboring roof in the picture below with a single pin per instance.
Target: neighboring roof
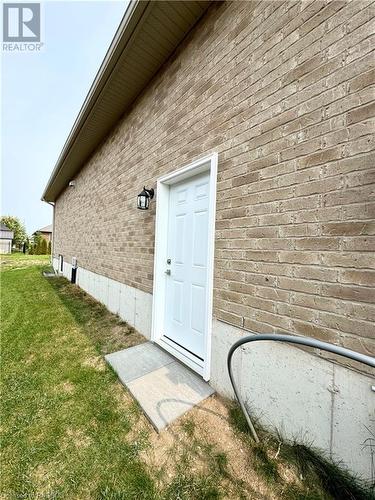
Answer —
(3, 227)
(46, 229)
(148, 34)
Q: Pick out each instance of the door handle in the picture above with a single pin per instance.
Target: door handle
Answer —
(167, 272)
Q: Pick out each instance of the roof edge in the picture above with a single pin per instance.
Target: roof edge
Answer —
(132, 15)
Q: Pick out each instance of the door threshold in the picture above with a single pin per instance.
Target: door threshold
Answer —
(182, 355)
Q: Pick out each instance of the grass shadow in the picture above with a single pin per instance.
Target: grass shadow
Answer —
(107, 331)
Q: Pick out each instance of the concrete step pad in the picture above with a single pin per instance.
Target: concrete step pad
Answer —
(164, 387)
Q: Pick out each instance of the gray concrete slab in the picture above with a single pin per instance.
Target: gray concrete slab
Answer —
(164, 388)
(132, 363)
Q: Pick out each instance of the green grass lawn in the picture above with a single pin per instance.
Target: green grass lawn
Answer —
(65, 425)
(70, 430)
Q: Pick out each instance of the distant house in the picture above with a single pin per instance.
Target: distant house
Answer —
(6, 237)
(45, 233)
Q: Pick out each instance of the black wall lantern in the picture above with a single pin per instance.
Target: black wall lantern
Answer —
(143, 199)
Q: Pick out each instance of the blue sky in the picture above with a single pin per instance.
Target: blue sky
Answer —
(41, 96)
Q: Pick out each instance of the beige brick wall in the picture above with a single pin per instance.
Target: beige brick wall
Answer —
(283, 91)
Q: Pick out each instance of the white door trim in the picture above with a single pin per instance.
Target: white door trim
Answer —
(205, 164)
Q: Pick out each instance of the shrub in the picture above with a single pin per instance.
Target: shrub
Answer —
(43, 247)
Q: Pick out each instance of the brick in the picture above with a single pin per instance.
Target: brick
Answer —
(363, 346)
(300, 257)
(298, 177)
(359, 211)
(317, 244)
(352, 293)
(257, 303)
(348, 228)
(275, 320)
(272, 294)
(299, 204)
(347, 325)
(257, 327)
(348, 259)
(261, 256)
(360, 129)
(301, 149)
(303, 69)
(347, 165)
(321, 157)
(262, 232)
(318, 187)
(299, 285)
(360, 178)
(317, 303)
(242, 288)
(359, 244)
(234, 213)
(316, 331)
(366, 278)
(360, 114)
(296, 312)
(274, 219)
(272, 195)
(245, 179)
(275, 244)
(347, 196)
(315, 273)
(299, 230)
(230, 318)
(361, 81)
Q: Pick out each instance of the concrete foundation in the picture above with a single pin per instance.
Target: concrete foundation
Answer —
(301, 395)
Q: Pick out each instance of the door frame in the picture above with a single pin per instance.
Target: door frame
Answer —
(205, 164)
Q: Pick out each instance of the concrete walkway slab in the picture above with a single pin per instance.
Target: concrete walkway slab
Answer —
(164, 388)
(132, 363)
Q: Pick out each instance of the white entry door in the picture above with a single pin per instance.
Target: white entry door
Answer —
(186, 274)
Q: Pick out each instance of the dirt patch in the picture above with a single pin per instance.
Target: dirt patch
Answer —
(120, 336)
(78, 438)
(65, 387)
(205, 432)
(45, 478)
(30, 359)
(96, 362)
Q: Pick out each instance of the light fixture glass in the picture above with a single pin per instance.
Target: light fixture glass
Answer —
(144, 197)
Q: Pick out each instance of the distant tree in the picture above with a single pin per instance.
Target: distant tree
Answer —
(49, 248)
(31, 250)
(15, 225)
(37, 244)
(43, 247)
